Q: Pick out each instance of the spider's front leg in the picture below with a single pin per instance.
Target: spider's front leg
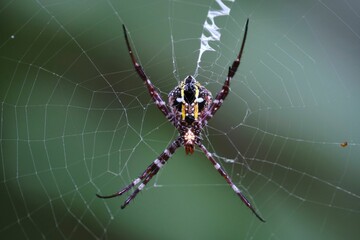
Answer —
(147, 175)
(153, 93)
(216, 104)
(228, 180)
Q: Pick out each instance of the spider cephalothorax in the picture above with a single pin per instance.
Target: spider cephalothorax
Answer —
(189, 100)
(190, 108)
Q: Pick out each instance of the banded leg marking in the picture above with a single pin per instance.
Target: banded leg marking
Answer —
(147, 175)
(229, 181)
(153, 93)
(220, 97)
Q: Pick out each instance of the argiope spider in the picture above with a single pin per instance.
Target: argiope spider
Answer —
(189, 109)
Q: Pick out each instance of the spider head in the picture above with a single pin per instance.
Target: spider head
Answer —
(189, 99)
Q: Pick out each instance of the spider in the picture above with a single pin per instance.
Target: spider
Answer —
(189, 109)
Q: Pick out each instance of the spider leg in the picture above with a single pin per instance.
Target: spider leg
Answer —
(228, 180)
(140, 187)
(153, 93)
(146, 176)
(149, 169)
(216, 104)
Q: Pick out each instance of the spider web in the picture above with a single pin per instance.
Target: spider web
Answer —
(76, 119)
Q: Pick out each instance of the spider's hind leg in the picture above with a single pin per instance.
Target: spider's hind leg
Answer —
(131, 185)
(155, 167)
(147, 175)
(140, 187)
(228, 180)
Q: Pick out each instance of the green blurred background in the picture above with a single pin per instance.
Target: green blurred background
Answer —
(76, 120)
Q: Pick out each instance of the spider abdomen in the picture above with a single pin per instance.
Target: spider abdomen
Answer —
(189, 100)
